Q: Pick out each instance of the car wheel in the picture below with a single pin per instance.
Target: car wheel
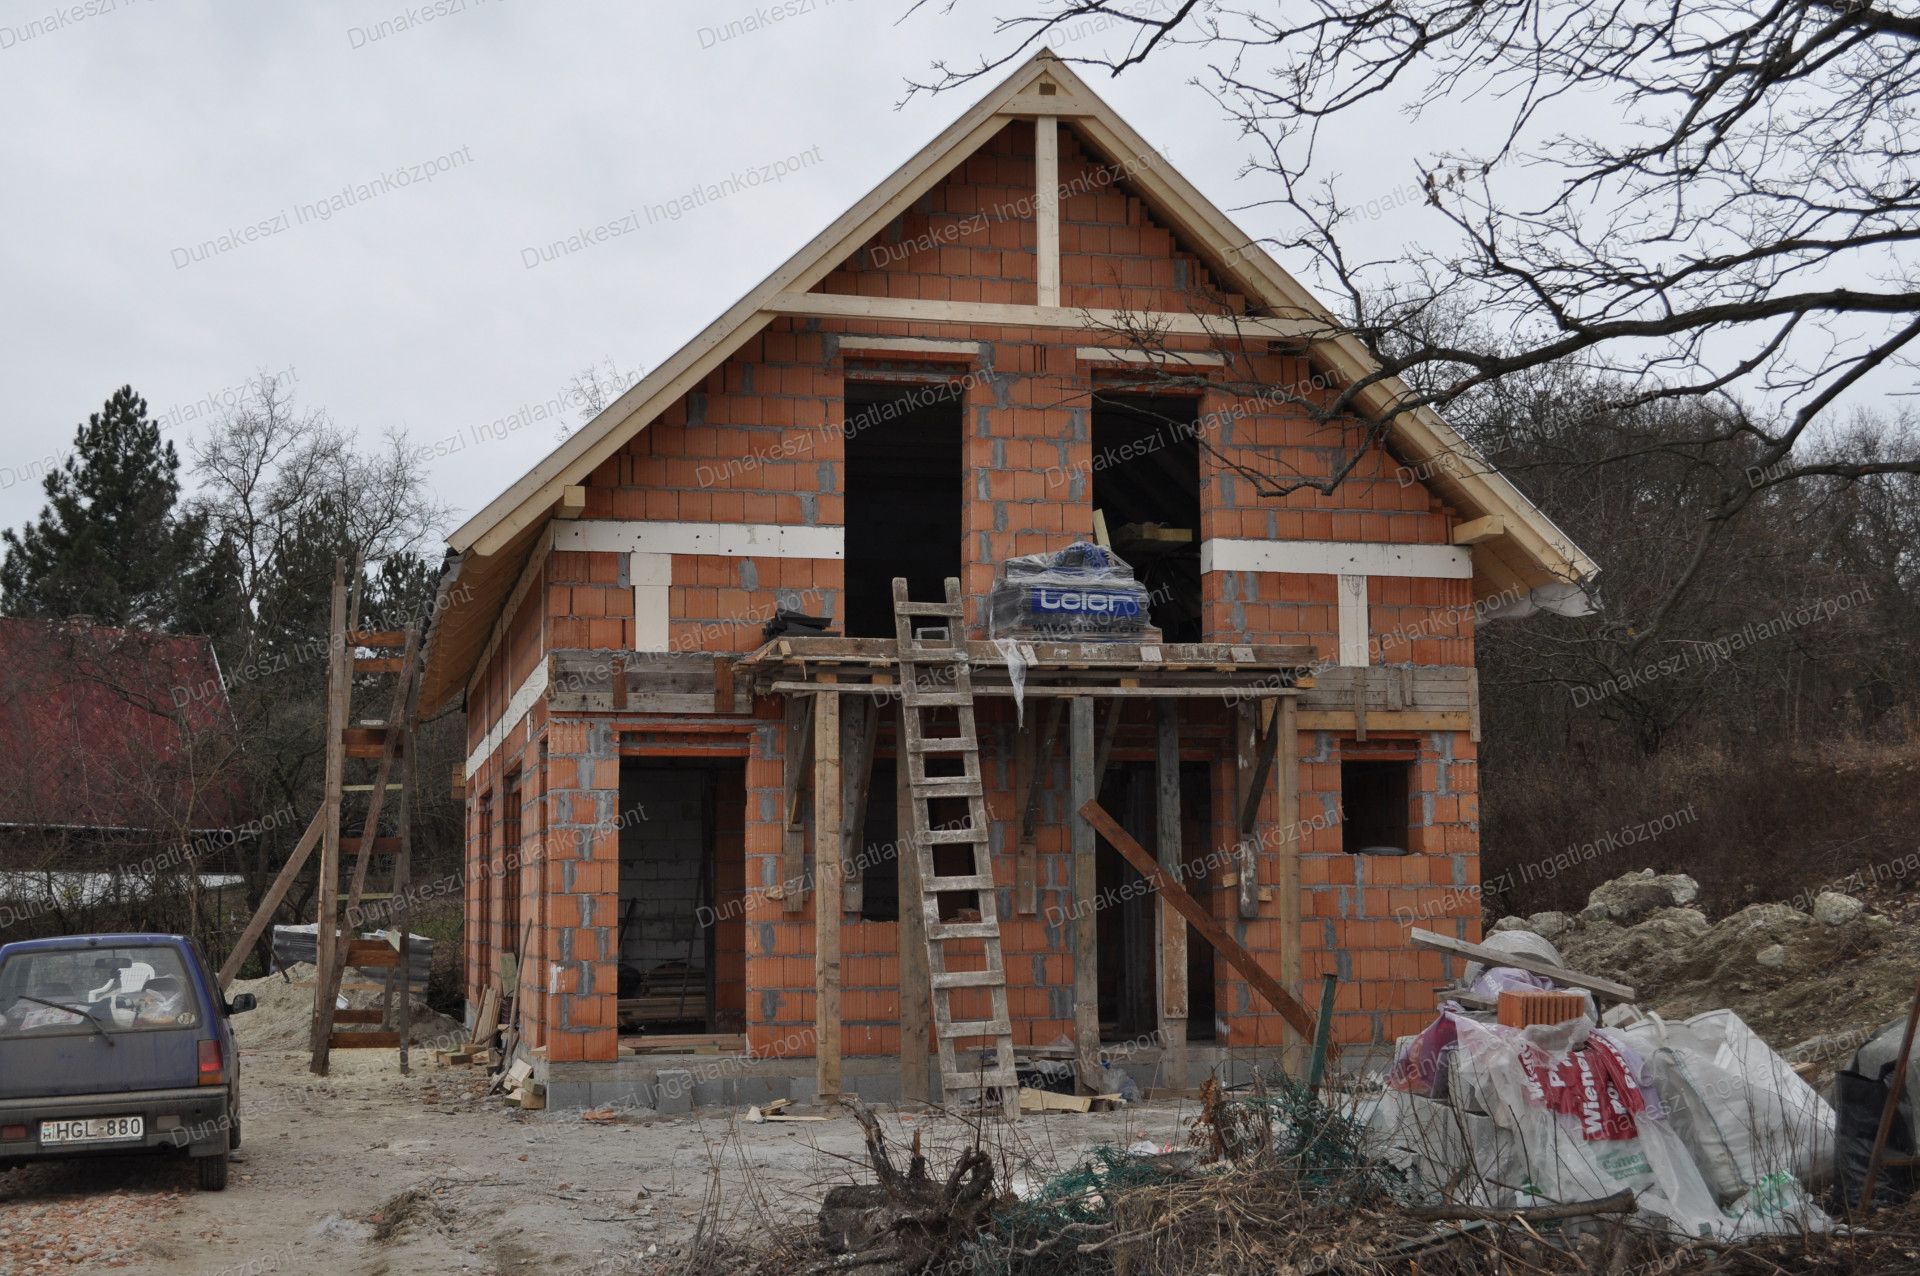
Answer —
(212, 1171)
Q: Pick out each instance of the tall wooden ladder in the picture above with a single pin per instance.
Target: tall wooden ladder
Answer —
(387, 743)
(936, 691)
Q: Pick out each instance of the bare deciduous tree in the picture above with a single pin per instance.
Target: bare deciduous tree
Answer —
(1712, 204)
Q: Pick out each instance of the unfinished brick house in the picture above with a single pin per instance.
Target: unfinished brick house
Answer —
(972, 364)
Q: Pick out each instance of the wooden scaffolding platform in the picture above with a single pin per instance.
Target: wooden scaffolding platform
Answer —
(833, 681)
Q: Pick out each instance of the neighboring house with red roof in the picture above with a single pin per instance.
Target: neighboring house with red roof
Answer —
(122, 751)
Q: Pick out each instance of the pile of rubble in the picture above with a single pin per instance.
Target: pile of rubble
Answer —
(1812, 980)
(1602, 1092)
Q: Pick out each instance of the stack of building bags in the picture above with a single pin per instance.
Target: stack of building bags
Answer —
(1713, 1133)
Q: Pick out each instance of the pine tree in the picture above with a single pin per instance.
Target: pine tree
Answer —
(110, 543)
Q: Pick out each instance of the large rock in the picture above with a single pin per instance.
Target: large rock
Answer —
(1549, 925)
(1831, 908)
(1626, 900)
(1773, 956)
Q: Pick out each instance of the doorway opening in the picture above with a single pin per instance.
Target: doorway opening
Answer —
(1127, 926)
(1146, 490)
(682, 928)
(905, 487)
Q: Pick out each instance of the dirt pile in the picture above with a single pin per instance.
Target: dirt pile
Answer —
(1813, 982)
(283, 1018)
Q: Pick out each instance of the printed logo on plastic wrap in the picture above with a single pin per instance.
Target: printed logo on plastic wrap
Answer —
(1089, 602)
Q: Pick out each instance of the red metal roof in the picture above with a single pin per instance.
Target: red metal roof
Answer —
(104, 728)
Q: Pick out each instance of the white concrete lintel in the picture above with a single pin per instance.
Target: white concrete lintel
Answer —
(1336, 558)
(742, 540)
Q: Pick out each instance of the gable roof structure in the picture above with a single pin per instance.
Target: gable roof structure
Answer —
(1521, 547)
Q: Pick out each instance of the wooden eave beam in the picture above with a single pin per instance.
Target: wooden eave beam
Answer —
(1479, 530)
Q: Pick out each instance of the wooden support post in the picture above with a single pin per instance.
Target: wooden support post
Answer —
(1195, 912)
(1360, 691)
(1473, 705)
(1265, 742)
(916, 986)
(1245, 795)
(797, 764)
(327, 890)
(1085, 939)
(863, 734)
(270, 902)
(1109, 729)
(1026, 859)
(1172, 945)
(403, 897)
(1286, 730)
(1046, 209)
(826, 896)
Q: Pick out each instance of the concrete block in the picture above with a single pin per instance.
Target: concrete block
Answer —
(569, 1094)
(762, 1089)
(715, 1092)
(875, 1087)
(674, 1091)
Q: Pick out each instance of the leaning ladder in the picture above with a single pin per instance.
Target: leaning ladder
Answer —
(934, 680)
(387, 742)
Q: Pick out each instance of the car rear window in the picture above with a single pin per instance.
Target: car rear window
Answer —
(133, 988)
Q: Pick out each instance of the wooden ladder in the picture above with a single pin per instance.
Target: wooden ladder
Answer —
(387, 742)
(935, 681)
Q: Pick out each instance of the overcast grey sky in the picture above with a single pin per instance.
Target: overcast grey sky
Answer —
(145, 137)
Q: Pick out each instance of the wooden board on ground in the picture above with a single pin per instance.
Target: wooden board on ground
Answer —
(773, 1112)
(1032, 1100)
(484, 1025)
(1520, 961)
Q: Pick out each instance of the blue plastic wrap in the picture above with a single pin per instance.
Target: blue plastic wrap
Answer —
(1081, 593)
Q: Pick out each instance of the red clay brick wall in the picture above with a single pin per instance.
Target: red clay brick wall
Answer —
(523, 646)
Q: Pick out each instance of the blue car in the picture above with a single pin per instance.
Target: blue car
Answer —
(114, 1044)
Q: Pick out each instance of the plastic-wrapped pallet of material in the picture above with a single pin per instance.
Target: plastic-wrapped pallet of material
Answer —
(1079, 594)
(1698, 1120)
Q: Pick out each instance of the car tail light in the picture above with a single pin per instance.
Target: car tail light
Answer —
(213, 1069)
(12, 1133)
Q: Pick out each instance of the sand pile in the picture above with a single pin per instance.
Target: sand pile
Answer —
(284, 1017)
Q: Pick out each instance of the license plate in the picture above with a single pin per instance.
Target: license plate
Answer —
(116, 1129)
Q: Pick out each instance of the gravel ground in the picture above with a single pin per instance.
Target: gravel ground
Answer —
(368, 1171)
